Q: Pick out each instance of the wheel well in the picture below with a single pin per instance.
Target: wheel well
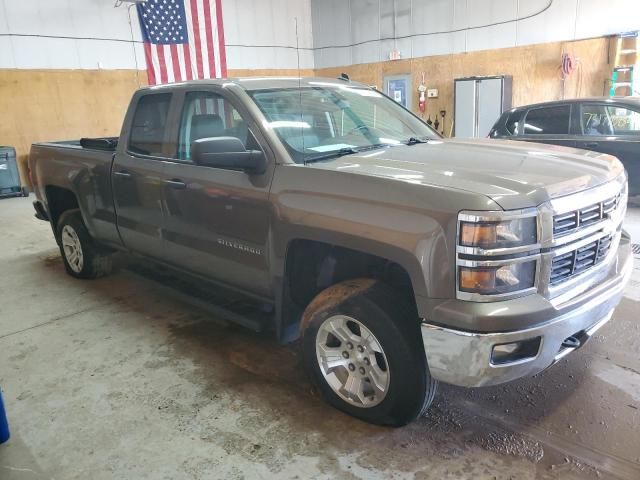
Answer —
(59, 200)
(313, 266)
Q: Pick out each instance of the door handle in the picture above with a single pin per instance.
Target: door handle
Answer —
(591, 144)
(177, 184)
(122, 173)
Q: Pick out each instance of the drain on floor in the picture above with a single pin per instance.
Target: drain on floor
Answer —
(635, 248)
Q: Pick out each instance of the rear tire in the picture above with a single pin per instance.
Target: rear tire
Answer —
(363, 350)
(82, 257)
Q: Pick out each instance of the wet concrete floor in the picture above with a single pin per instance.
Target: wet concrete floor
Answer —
(118, 378)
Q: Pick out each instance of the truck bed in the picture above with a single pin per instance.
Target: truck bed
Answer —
(82, 167)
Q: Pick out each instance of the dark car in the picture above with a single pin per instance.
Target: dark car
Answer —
(608, 125)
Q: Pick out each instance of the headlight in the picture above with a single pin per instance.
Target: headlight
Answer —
(497, 254)
(497, 280)
(498, 234)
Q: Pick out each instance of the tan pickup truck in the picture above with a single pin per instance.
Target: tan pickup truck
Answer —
(398, 258)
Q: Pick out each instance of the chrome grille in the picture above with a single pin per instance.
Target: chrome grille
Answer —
(569, 222)
(579, 260)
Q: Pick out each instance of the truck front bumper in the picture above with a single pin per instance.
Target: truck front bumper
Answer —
(467, 358)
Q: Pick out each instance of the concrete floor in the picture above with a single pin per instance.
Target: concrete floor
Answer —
(116, 378)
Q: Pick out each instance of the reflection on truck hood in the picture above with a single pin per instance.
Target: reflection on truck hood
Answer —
(514, 174)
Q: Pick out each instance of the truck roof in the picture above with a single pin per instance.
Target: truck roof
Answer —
(261, 83)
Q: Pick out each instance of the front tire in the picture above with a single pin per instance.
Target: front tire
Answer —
(362, 349)
(82, 257)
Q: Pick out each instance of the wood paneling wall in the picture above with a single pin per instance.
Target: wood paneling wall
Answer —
(45, 105)
(535, 70)
(41, 105)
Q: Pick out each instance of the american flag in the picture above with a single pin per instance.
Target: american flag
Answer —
(183, 39)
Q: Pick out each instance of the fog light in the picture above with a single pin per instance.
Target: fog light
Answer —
(515, 351)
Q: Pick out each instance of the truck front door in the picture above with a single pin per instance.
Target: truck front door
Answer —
(217, 220)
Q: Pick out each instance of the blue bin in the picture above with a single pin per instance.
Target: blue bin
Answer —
(4, 423)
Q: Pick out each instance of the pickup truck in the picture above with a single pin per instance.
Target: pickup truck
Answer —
(398, 259)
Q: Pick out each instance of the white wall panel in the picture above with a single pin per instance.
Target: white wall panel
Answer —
(329, 57)
(70, 34)
(618, 16)
(454, 26)
(555, 24)
(30, 52)
(6, 53)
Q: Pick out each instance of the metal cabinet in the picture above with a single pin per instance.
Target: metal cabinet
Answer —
(478, 103)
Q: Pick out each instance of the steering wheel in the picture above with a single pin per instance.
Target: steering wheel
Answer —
(355, 129)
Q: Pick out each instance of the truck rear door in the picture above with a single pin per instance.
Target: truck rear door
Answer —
(137, 173)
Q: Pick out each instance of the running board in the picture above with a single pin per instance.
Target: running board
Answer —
(221, 303)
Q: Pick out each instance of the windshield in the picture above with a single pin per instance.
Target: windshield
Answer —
(318, 120)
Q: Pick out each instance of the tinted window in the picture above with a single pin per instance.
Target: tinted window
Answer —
(149, 124)
(547, 120)
(595, 120)
(624, 121)
(513, 123)
(207, 115)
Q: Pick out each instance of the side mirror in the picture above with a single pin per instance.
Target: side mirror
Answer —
(228, 153)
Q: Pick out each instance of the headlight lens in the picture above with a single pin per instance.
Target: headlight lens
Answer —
(500, 234)
(497, 280)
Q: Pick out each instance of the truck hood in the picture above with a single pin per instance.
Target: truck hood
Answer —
(513, 174)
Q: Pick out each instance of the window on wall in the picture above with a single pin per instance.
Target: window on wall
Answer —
(207, 115)
(149, 125)
(548, 121)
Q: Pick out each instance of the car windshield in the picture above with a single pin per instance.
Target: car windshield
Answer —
(323, 120)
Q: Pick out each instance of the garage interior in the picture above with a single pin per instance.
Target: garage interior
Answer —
(127, 377)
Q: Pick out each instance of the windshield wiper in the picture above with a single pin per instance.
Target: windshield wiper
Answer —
(414, 140)
(344, 151)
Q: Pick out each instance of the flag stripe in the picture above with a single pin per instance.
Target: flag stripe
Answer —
(193, 64)
(156, 63)
(222, 53)
(162, 63)
(197, 43)
(209, 35)
(204, 52)
(151, 71)
(175, 60)
(169, 63)
(187, 61)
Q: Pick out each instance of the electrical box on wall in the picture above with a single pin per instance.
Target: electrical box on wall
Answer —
(432, 93)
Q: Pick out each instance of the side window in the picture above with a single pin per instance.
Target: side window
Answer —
(149, 124)
(595, 120)
(547, 121)
(513, 123)
(624, 121)
(206, 115)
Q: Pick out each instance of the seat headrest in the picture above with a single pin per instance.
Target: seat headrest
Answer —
(206, 125)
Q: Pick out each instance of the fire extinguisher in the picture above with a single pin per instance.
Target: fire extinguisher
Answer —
(422, 90)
